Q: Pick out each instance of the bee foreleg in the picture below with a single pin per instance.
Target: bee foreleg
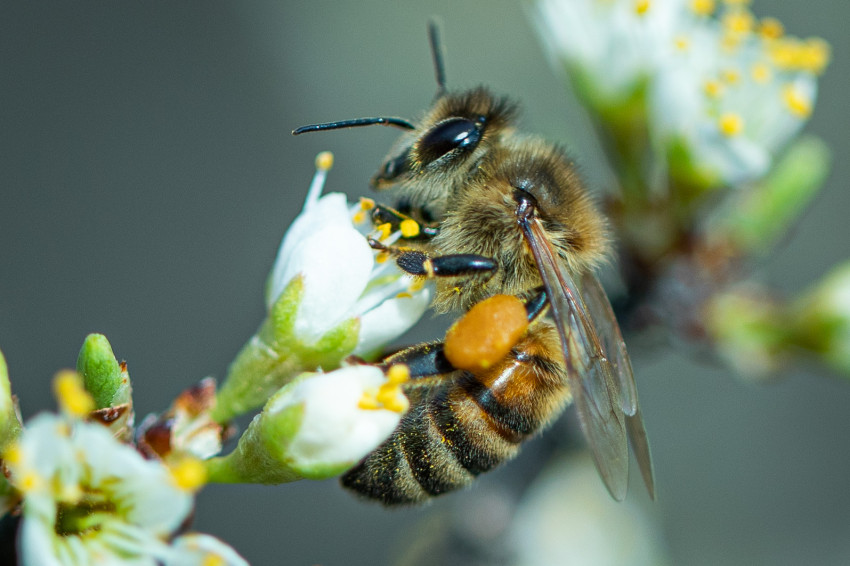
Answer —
(419, 263)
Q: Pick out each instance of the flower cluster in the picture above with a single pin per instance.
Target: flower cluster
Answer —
(718, 91)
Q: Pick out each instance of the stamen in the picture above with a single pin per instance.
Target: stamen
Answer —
(213, 560)
(324, 161)
(771, 28)
(797, 103)
(730, 124)
(367, 203)
(71, 395)
(409, 228)
(382, 256)
(713, 89)
(816, 54)
(384, 230)
(730, 76)
(404, 295)
(641, 7)
(682, 43)
(359, 217)
(189, 474)
(398, 374)
(702, 7)
(761, 73)
(13, 455)
(738, 21)
(416, 285)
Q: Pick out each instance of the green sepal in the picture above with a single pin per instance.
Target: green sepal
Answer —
(10, 424)
(763, 213)
(274, 355)
(103, 376)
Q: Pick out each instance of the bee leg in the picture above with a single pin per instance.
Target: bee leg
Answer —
(428, 359)
(419, 263)
(410, 228)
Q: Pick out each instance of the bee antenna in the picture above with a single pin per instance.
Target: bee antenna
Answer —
(383, 120)
(437, 54)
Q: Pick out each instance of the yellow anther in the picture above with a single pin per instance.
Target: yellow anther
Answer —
(367, 203)
(71, 395)
(398, 404)
(359, 217)
(409, 228)
(416, 285)
(213, 560)
(713, 89)
(738, 21)
(404, 295)
(398, 373)
(368, 402)
(30, 481)
(815, 55)
(761, 73)
(730, 124)
(682, 43)
(797, 103)
(189, 473)
(13, 455)
(382, 256)
(324, 161)
(702, 7)
(641, 7)
(384, 230)
(771, 28)
(730, 76)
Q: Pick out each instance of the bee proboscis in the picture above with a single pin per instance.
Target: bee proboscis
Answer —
(501, 212)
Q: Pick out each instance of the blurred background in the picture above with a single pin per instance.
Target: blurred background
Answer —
(147, 175)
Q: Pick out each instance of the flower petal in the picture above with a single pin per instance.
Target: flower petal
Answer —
(389, 320)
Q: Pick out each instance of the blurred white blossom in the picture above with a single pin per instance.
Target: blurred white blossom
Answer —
(89, 499)
(725, 91)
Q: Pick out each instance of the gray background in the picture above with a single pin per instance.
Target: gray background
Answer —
(147, 174)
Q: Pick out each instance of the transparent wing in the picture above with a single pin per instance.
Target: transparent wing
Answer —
(614, 348)
(590, 374)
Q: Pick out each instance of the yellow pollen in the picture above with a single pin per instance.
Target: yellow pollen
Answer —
(404, 295)
(72, 396)
(359, 217)
(738, 21)
(30, 481)
(382, 256)
(13, 455)
(713, 89)
(368, 402)
(730, 124)
(416, 285)
(815, 56)
(409, 228)
(367, 203)
(798, 104)
(641, 7)
(324, 160)
(682, 43)
(730, 41)
(213, 560)
(398, 373)
(385, 230)
(761, 73)
(730, 76)
(702, 7)
(189, 473)
(771, 28)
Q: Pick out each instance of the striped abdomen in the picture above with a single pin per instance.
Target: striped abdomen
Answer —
(460, 425)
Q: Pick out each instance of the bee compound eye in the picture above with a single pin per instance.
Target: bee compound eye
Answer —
(447, 136)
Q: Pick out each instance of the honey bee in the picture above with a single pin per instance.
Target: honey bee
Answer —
(498, 212)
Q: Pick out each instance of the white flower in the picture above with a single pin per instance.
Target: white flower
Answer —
(339, 423)
(730, 90)
(614, 43)
(89, 499)
(197, 549)
(317, 426)
(340, 274)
